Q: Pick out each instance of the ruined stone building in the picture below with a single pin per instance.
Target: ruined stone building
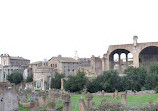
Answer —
(32, 68)
(42, 74)
(66, 65)
(69, 66)
(44, 71)
(119, 57)
(8, 97)
(136, 54)
(10, 64)
(91, 66)
(85, 65)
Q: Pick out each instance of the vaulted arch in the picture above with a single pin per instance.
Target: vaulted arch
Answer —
(118, 60)
(148, 55)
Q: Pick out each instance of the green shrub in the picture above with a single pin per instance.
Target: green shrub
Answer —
(143, 88)
(29, 78)
(156, 89)
(15, 78)
(76, 83)
(56, 81)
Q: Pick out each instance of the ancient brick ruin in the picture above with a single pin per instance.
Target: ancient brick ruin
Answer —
(8, 97)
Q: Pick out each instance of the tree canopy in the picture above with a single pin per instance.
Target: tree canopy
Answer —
(56, 81)
(76, 83)
(108, 81)
(135, 78)
(154, 67)
(15, 78)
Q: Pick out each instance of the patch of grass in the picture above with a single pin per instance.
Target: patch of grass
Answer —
(96, 99)
(136, 100)
(60, 103)
(132, 100)
(23, 109)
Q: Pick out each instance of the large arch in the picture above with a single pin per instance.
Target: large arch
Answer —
(147, 56)
(122, 61)
(136, 56)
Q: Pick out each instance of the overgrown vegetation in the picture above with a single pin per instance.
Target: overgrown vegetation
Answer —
(108, 81)
(56, 81)
(29, 78)
(76, 83)
(15, 78)
(135, 79)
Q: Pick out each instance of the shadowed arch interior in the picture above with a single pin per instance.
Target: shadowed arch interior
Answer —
(122, 61)
(147, 56)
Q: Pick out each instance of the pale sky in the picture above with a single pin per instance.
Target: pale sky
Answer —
(38, 29)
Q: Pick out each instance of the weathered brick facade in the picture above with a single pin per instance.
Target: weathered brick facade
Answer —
(8, 97)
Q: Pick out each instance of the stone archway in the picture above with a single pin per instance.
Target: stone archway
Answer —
(147, 56)
(121, 62)
(142, 54)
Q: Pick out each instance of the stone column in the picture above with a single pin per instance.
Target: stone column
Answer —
(36, 84)
(103, 64)
(123, 99)
(82, 106)
(43, 100)
(126, 59)
(62, 83)
(119, 62)
(43, 88)
(41, 84)
(103, 92)
(135, 52)
(111, 62)
(2, 75)
(89, 97)
(66, 102)
(116, 94)
(136, 59)
(49, 82)
(107, 64)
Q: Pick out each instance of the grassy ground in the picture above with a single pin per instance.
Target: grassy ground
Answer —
(132, 100)
(22, 109)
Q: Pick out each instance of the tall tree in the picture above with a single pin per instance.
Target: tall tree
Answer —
(108, 81)
(135, 78)
(151, 81)
(56, 81)
(154, 67)
(76, 83)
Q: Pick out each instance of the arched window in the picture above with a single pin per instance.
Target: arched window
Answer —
(123, 57)
(116, 57)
